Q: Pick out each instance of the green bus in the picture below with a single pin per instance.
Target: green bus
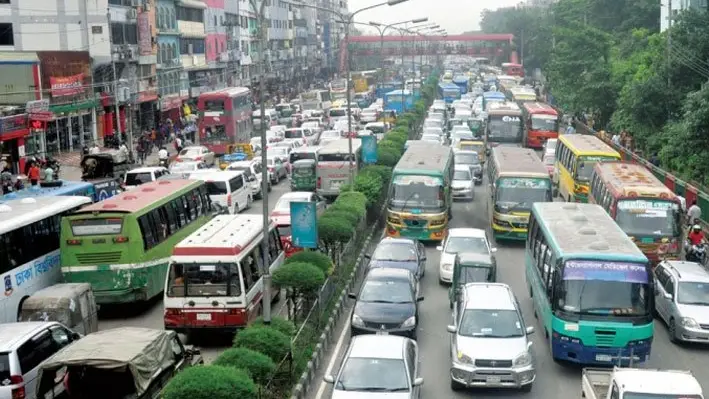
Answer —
(122, 245)
(419, 204)
(591, 285)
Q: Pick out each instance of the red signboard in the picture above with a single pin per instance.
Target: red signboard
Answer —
(67, 85)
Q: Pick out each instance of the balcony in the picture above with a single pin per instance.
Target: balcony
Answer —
(170, 63)
(193, 61)
(300, 23)
(191, 29)
(121, 14)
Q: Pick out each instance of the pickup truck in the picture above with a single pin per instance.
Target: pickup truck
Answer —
(632, 383)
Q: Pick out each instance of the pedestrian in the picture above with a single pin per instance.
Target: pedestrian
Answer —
(694, 213)
(616, 139)
(140, 149)
(34, 174)
(48, 173)
(6, 180)
(178, 144)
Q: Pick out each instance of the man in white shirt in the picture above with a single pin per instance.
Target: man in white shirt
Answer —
(162, 154)
(693, 213)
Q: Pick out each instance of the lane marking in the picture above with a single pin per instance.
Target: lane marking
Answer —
(335, 356)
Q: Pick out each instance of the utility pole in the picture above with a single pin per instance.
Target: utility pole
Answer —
(260, 11)
(669, 42)
(115, 83)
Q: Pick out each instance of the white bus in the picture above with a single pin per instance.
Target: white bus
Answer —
(214, 280)
(316, 99)
(29, 247)
(333, 169)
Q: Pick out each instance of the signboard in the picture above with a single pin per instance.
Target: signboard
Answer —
(605, 271)
(369, 149)
(66, 85)
(37, 106)
(524, 183)
(304, 224)
(145, 38)
(647, 205)
(510, 119)
(13, 123)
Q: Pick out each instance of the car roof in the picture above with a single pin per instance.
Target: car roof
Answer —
(475, 258)
(295, 195)
(377, 346)
(12, 335)
(489, 296)
(146, 169)
(462, 168)
(397, 240)
(687, 271)
(466, 232)
(388, 273)
(193, 147)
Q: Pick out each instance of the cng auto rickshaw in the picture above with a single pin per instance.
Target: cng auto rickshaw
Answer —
(476, 145)
(476, 126)
(471, 268)
(303, 175)
(72, 304)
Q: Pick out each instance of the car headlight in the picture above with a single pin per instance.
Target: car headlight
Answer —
(410, 322)
(523, 359)
(689, 322)
(357, 321)
(463, 358)
(447, 267)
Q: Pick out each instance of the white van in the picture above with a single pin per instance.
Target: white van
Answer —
(253, 173)
(229, 189)
(136, 177)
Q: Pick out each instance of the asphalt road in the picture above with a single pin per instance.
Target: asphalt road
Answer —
(151, 314)
(553, 380)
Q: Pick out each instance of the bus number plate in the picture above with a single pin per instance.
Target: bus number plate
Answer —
(335, 185)
(204, 316)
(493, 380)
(604, 358)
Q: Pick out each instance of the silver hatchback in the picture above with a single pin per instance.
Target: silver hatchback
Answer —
(682, 300)
(490, 347)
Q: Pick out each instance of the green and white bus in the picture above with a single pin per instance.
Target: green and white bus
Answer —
(122, 245)
(591, 286)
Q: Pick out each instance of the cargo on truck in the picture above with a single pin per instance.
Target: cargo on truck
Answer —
(634, 383)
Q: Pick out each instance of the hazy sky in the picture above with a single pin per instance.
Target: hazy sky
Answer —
(456, 16)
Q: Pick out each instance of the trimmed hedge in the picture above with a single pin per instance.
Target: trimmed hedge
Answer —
(278, 323)
(210, 382)
(300, 277)
(259, 366)
(316, 258)
(266, 340)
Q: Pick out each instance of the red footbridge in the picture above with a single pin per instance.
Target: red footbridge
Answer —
(493, 46)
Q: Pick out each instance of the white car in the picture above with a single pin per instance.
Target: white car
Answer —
(312, 125)
(136, 177)
(187, 167)
(251, 168)
(330, 135)
(461, 240)
(462, 183)
(433, 130)
(368, 115)
(304, 135)
(196, 153)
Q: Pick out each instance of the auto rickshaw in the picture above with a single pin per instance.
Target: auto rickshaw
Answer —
(471, 268)
(388, 116)
(476, 126)
(97, 166)
(72, 304)
(475, 145)
(303, 175)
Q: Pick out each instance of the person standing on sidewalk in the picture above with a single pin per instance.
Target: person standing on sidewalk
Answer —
(34, 174)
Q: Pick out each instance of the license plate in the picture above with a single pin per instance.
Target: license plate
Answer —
(382, 333)
(204, 316)
(335, 185)
(493, 380)
(604, 358)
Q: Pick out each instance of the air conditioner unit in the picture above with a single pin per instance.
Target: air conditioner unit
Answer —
(131, 14)
(146, 6)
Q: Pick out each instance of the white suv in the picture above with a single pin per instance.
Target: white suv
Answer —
(251, 168)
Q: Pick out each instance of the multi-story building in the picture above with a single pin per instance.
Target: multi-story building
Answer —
(676, 6)
(232, 30)
(173, 87)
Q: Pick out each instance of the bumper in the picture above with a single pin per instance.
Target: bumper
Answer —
(698, 335)
(183, 329)
(589, 355)
(463, 194)
(427, 234)
(445, 276)
(409, 332)
(471, 376)
(508, 234)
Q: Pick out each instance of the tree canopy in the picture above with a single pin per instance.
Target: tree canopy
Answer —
(609, 59)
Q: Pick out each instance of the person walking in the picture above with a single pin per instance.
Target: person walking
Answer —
(34, 174)
(694, 213)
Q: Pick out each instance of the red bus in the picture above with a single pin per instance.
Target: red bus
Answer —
(224, 118)
(541, 122)
(512, 69)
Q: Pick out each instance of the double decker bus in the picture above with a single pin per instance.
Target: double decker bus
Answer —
(513, 69)
(541, 122)
(122, 245)
(644, 208)
(591, 287)
(420, 196)
(504, 125)
(576, 156)
(224, 118)
(519, 179)
(29, 247)
(215, 279)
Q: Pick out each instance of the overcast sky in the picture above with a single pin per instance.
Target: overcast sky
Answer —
(456, 16)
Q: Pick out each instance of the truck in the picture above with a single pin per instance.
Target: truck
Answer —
(634, 383)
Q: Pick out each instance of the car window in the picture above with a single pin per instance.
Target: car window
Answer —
(411, 360)
(5, 366)
(41, 347)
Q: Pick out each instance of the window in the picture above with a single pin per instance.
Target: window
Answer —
(215, 21)
(41, 347)
(27, 243)
(190, 14)
(123, 33)
(274, 246)
(196, 45)
(161, 18)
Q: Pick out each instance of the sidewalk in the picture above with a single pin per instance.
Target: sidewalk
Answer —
(71, 169)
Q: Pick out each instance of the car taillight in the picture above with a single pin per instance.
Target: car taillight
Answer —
(270, 169)
(228, 200)
(179, 160)
(173, 312)
(19, 392)
(319, 182)
(73, 242)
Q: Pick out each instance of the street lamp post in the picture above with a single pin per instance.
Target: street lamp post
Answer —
(382, 28)
(413, 55)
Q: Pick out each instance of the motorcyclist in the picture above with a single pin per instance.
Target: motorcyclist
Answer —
(696, 236)
(695, 244)
(163, 156)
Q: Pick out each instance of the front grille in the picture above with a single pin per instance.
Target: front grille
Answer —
(704, 326)
(99, 258)
(605, 337)
(493, 363)
(415, 223)
(378, 326)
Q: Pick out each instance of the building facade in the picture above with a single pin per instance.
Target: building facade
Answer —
(676, 6)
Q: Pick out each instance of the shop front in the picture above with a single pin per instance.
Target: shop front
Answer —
(170, 107)
(13, 133)
(72, 126)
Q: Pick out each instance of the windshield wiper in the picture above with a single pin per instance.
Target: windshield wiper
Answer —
(374, 389)
(379, 301)
(695, 303)
(505, 336)
(400, 389)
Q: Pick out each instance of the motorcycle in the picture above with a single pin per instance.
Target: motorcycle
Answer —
(165, 162)
(696, 253)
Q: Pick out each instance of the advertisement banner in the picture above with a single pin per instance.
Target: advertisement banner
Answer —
(304, 225)
(66, 85)
(605, 271)
(369, 149)
(145, 38)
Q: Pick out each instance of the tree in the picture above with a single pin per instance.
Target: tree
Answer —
(279, 323)
(334, 232)
(302, 282)
(210, 382)
(266, 340)
(317, 258)
(258, 366)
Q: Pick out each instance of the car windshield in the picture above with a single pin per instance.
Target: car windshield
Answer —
(520, 194)
(373, 375)
(190, 152)
(183, 167)
(431, 137)
(549, 159)
(470, 158)
(433, 130)
(136, 179)
(337, 112)
(293, 134)
(284, 230)
(693, 293)
(204, 280)
(395, 252)
(651, 218)
(462, 175)
(490, 323)
(476, 245)
(283, 204)
(386, 291)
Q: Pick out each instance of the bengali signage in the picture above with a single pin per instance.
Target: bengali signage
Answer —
(605, 271)
(66, 85)
(647, 205)
(369, 149)
(304, 224)
(524, 183)
(13, 123)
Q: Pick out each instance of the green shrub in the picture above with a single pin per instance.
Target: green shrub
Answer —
(370, 184)
(279, 323)
(334, 231)
(210, 382)
(353, 196)
(383, 171)
(354, 204)
(349, 216)
(266, 340)
(394, 146)
(316, 258)
(299, 277)
(387, 156)
(397, 137)
(259, 366)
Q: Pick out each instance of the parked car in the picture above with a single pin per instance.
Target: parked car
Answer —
(471, 159)
(682, 300)
(463, 185)
(281, 211)
(277, 169)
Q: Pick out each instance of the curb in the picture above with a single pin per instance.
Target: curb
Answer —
(305, 381)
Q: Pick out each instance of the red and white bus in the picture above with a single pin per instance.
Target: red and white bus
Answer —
(224, 118)
(541, 122)
(214, 277)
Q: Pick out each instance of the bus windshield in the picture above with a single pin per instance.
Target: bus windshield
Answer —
(518, 194)
(655, 218)
(604, 288)
(545, 123)
(504, 128)
(584, 169)
(215, 133)
(297, 156)
(417, 193)
(634, 395)
(204, 280)
(96, 227)
(333, 157)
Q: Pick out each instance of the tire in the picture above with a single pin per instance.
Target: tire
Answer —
(672, 331)
(259, 195)
(455, 386)
(526, 388)
(249, 201)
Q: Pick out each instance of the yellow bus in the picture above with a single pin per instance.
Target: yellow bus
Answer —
(523, 94)
(576, 155)
(518, 179)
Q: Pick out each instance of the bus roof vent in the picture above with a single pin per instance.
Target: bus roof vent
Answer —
(28, 201)
(588, 232)
(570, 206)
(579, 218)
(130, 198)
(5, 208)
(109, 206)
(164, 182)
(599, 246)
(147, 189)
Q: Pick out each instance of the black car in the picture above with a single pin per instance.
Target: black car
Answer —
(387, 302)
(399, 253)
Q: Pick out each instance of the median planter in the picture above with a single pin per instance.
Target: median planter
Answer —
(210, 382)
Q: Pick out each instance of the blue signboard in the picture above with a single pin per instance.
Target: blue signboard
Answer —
(304, 224)
(369, 149)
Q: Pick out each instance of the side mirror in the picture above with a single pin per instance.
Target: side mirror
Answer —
(439, 248)
(419, 299)
(423, 257)
(351, 295)
(451, 329)
(668, 296)
(530, 330)
(418, 381)
(329, 379)
(75, 336)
